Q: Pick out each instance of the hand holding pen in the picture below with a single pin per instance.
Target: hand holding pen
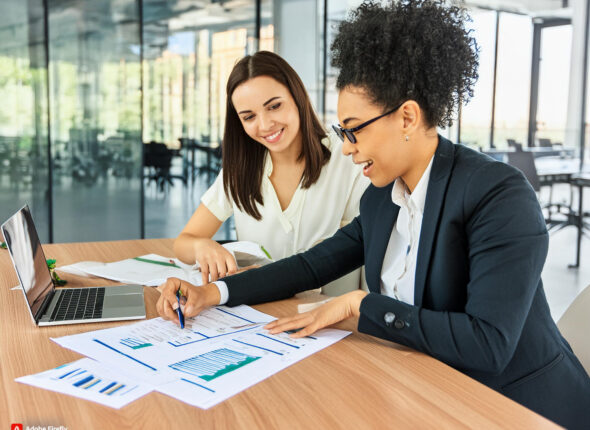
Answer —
(175, 292)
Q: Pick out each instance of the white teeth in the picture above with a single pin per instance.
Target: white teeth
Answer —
(368, 164)
(272, 136)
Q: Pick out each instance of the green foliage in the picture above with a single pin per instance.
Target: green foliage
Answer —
(57, 281)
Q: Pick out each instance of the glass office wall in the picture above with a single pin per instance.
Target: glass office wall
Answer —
(95, 95)
(513, 81)
(23, 112)
(188, 56)
(476, 115)
(336, 12)
(554, 78)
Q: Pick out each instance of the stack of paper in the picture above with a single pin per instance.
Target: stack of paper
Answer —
(219, 353)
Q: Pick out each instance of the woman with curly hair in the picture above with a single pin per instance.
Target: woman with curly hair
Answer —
(453, 241)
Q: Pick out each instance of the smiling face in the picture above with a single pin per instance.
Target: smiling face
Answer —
(381, 146)
(268, 114)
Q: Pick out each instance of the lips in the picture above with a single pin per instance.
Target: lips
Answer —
(273, 138)
(367, 164)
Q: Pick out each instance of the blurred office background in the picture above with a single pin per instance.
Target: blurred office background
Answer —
(111, 111)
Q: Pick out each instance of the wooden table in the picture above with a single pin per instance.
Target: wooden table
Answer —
(360, 382)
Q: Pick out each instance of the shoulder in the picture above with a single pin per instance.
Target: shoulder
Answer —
(478, 169)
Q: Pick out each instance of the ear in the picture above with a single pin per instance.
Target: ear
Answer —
(411, 115)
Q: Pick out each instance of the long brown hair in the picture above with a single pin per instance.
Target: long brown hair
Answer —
(243, 157)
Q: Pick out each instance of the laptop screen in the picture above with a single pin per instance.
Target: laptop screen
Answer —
(23, 243)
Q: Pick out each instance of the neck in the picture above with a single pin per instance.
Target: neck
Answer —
(425, 146)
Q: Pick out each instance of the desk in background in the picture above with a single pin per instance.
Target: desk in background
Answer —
(538, 152)
(360, 382)
(556, 170)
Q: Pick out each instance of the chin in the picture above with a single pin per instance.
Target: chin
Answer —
(381, 182)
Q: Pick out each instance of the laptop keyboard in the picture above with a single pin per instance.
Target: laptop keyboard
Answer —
(78, 304)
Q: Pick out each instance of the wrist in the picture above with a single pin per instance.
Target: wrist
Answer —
(199, 244)
(212, 295)
(356, 297)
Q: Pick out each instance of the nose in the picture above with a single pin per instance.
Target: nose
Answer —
(265, 122)
(348, 148)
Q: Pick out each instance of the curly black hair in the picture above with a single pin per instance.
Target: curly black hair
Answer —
(408, 50)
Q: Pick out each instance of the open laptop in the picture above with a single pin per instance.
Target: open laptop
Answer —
(51, 306)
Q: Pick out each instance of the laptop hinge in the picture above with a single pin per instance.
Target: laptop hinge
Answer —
(44, 305)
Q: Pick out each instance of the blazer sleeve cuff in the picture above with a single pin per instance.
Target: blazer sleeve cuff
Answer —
(388, 318)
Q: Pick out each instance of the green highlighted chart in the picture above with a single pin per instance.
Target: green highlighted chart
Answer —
(134, 343)
(214, 364)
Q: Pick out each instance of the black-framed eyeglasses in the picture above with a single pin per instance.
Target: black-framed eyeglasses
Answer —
(349, 132)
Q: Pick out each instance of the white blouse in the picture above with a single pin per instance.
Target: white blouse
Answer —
(313, 214)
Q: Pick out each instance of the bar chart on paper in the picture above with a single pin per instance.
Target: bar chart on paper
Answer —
(214, 364)
(219, 353)
(89, 380)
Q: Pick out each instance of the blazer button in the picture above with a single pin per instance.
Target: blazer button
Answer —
(399, 324)
(389, 319)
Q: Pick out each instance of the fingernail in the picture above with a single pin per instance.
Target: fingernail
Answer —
(188, 309)
(175, 305)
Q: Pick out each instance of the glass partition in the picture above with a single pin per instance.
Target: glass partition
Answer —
(188, 55)
(513, 82)
(554, 78)
(24, 168)
(94, 72)
(476, 115)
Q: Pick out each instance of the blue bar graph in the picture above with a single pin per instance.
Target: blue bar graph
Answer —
(214, 364)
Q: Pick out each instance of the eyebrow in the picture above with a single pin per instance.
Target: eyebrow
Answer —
(347, 120)
(263, 104)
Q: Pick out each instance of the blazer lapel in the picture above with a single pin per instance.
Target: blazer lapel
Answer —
(435, 196)
(388, 212)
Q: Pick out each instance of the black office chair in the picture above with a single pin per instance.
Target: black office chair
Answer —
(514, 144)
(158, 158)
(525, 162)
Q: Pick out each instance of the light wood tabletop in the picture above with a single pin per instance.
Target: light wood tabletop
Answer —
(360, 382)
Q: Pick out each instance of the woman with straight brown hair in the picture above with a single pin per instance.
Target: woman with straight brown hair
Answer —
(286, 183)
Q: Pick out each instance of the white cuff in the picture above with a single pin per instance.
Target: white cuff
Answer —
(223, 293)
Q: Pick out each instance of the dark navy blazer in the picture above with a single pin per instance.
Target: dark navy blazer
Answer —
(479, 304)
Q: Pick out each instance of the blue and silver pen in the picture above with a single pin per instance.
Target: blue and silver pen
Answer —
(178, 311)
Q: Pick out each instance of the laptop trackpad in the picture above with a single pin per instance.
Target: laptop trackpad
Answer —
(120, 301)
(123, 301)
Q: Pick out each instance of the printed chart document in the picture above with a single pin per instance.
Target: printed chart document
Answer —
(219, 353)
(153, 269)
(89, 380)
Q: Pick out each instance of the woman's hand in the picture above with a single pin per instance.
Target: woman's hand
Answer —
(214, 260)
(334, 311)
(196, 299)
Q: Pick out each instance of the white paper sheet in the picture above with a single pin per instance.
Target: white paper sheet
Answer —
(147, 272)
(219, 353)
(90, 380)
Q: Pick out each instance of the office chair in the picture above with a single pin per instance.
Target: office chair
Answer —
(574, 324)
(525, 162)
(158, 157)
(514, 144)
